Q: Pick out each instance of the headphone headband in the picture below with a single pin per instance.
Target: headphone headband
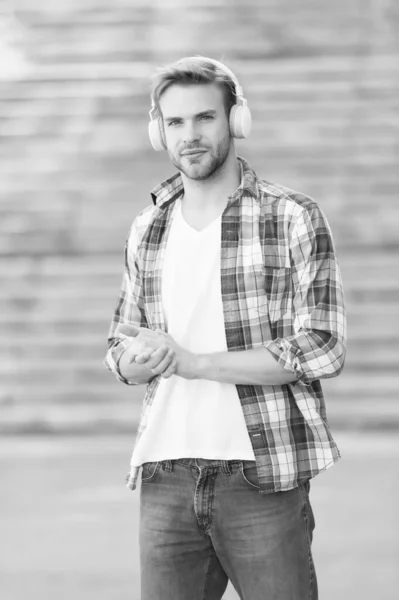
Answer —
(222, 67)
(216, 63)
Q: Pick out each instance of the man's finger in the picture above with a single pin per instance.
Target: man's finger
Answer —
(152, 358)
(170, 370)
(158, 358)
(129, 330)
(130, 354)
(143, 357)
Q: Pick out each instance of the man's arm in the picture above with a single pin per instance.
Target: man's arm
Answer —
(129, 334)
(316, 348)
(248, 367)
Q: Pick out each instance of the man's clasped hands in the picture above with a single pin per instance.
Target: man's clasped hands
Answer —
(158, 351)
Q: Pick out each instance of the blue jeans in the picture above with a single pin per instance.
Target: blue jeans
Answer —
(203, 523)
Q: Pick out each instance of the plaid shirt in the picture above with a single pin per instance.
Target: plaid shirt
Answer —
(281, 289)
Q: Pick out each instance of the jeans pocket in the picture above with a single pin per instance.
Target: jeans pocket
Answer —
(249, 473)
(149, 471)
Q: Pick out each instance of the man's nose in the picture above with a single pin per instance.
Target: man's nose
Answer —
(190, 133)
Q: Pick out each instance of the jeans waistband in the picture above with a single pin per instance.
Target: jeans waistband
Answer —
(226, 466)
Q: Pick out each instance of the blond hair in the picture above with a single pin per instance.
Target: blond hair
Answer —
(191, 71)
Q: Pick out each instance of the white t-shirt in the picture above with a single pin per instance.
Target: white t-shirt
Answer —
(194, 418)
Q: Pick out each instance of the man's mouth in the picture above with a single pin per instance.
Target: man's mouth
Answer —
(193, 152)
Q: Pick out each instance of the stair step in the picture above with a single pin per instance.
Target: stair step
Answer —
(43, 83)
(47, 117)
(51, 90)
(371, 413)
(59, 324)
(123, 416)
(105, 240)
(62, 356)
(299, 168)
(78, 111)
(363, 385)
(375, 350)
(30, 356)
(102, 390)
(360, 351)
(79, 287)
(74, 317)
(88, 418)
(378, 263)
(59, 377)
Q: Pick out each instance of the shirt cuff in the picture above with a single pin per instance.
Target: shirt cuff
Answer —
(289, 358)
(113, 357)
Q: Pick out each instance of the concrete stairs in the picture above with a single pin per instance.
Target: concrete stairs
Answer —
(76, 167)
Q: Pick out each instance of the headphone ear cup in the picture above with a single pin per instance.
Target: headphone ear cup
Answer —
(240, 121)
(155, 135)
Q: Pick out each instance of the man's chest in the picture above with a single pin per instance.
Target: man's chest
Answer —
(254, 289)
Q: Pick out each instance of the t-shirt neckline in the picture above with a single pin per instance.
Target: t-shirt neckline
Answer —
(189, 227)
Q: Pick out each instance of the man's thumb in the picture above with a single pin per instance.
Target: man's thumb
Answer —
(129, 330)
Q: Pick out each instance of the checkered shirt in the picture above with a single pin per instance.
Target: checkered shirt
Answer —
(281, 289)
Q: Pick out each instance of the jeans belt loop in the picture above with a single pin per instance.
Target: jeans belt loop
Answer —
(226, 467)
(167, 465)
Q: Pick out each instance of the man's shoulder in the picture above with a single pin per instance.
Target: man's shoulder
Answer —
(140, 224)
(145, 216)
(283, 198)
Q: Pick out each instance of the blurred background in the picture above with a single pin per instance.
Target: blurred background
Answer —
(76, 166)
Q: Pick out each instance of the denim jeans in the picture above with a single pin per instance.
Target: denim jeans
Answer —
(203, 523)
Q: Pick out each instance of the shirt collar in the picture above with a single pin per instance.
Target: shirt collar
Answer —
(170, 189)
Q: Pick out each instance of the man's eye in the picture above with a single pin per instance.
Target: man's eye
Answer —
(206, 117)
(171, 123)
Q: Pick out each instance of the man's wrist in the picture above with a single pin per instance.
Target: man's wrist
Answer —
(201, 366)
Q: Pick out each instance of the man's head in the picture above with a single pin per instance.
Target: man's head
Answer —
(193, 98)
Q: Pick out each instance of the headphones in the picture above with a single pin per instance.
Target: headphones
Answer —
(240, 119)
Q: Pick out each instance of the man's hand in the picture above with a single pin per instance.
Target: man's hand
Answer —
(150, 349)
(186, 361)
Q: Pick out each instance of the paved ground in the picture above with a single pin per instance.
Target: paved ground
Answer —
(69, 527)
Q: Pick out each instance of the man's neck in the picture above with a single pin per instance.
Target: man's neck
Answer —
(212, 193)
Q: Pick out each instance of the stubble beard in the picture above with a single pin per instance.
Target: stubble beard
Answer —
(206, 166)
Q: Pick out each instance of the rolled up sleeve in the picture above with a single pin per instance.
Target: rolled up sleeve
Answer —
(316, 349)
(129, 309)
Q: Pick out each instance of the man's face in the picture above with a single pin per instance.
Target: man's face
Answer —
(196, 128)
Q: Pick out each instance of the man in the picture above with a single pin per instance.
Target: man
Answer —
(231, 311)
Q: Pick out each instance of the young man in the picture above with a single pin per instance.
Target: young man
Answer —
(231, 311)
